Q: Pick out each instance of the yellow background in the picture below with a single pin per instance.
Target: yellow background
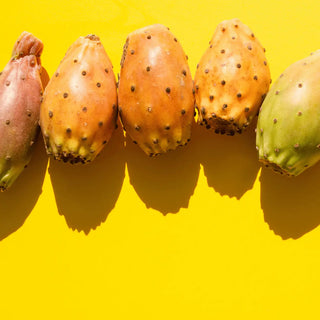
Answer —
(200, 233)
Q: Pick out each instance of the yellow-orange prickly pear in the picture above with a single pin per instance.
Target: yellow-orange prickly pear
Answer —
(232, 79)
(156, 101)
(20, 98)
(79, 109)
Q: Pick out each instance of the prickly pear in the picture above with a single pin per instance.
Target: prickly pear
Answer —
(156, 101)
(288, 135)
(79, 109)
(20, 98)
(232, 79)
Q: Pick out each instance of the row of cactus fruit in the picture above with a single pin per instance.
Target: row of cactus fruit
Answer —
(156, 99)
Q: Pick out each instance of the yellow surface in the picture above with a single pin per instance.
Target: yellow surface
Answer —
(201, 233)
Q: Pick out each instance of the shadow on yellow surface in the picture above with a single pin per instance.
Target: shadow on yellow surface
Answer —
(17, 202)
(85, 194)
(229, 162)
(166, 182)
(291, 206)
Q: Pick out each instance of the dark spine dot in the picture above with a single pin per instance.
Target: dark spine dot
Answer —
(98, 84)
(68, 130)
(83, 73)
(149, 37)
(252, 35)
(300, 85)
(211, 98)
(149, 109)
(223, 51)
(239, 65)
(75, 60)
(7, 83)
(203, 110)
(239, 95)
(184, 72)
(225, 106)
(265, 63)
(104, 142)
(114, 106)
(132, 51)
(175, 39)
(223, 82)
(206, 70)
(7, 122)
(106, 70)
(198, 66)
(168, 90)
(275, 120)
(29, 113)
(137, 128)
(65, 95)
(223, 29)
(197, 87)
(100, 123)
(148, 68)
(183, 111)
(167, 127)
(255, 77)
(249, 47)
(50, 114)
(135, 142)
(155, 141)
(84, 138)
(233, 38)
(57, 74)
(132, 88)
(210, 46)
(246, 109)
(84, 109)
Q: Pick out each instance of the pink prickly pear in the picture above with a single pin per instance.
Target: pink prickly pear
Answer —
(20, 98)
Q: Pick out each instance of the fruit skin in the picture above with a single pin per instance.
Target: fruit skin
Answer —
(232, 79)
(79, 109)
(156, 101)
(20, 98)
(288, 135)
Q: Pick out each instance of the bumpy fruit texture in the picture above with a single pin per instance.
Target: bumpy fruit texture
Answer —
(232, 79)
(79, 109)
(156, 101)
(288, 130)
(20, 98)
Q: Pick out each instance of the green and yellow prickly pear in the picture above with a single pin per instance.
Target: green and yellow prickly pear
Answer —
(79, 109)
(232, 79)
(288, 129)
(20, 97)
(156, 101)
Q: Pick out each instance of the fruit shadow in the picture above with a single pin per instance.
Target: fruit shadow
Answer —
(230, 163)
(86, 194)
(291, 204)
(17, 202)
(165, 182)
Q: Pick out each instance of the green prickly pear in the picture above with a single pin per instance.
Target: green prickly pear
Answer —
(232, 79)
(20, 97)
(79, 109)
(288, 129)
(156, 101)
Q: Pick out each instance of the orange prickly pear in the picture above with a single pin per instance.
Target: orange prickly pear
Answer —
(232, 79)
(20, 98)
(156, 101)
(79, 109)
